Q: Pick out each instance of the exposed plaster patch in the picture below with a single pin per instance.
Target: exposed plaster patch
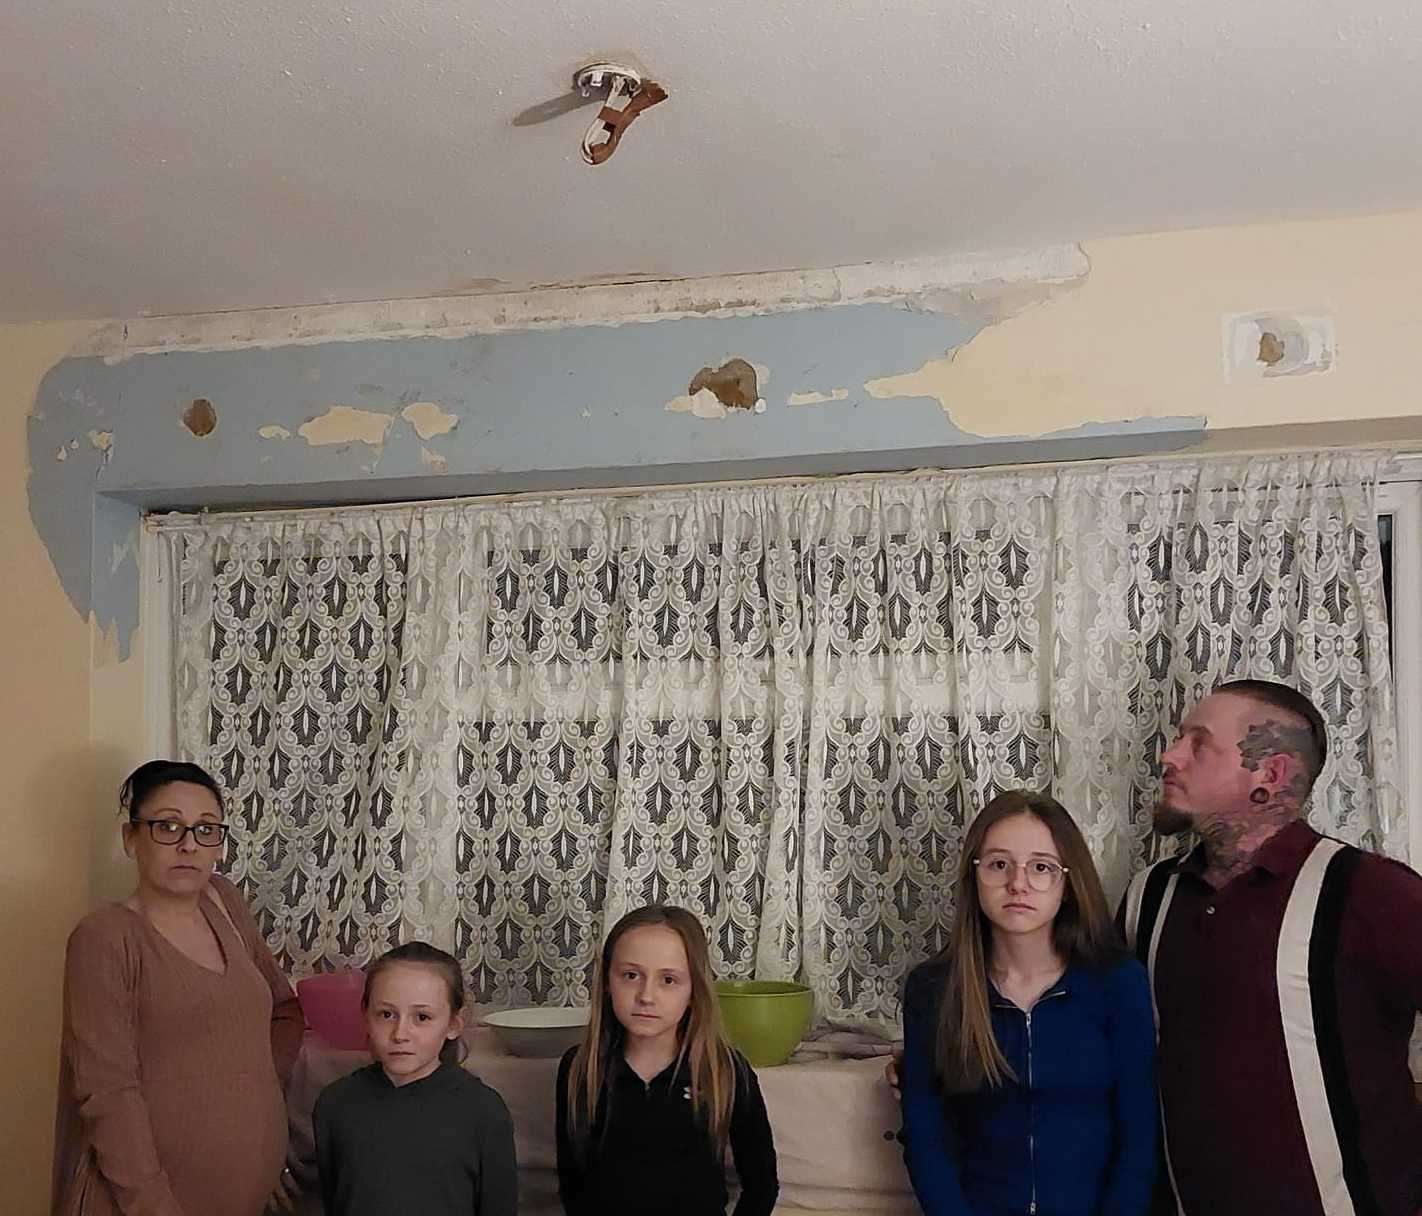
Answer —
(62, 454)
(839, 394)
(345, 424)
(102, 441)
(934, 379)
(200, 418)
(703, 403)
(936, 283)
(992, 303)
(273, 432)
(734, 383)
(429, 419)
(434, 461)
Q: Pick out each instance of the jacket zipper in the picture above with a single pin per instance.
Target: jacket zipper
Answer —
(1031, 1121)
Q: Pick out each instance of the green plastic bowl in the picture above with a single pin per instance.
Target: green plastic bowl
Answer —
(765, 1019)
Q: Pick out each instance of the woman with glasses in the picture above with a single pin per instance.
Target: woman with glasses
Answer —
(1029, 1043)
(179, 1030)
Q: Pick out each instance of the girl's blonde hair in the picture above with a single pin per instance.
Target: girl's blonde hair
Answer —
(968, 1054)
(703, 1042)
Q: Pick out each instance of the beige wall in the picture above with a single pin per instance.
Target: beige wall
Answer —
(45, 815)
(1142, 336)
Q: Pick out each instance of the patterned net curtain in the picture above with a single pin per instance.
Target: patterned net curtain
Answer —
(499, 727)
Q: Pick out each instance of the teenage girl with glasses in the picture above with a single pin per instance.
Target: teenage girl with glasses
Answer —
(1029, 1043)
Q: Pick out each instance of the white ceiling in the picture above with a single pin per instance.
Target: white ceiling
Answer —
(196, 155)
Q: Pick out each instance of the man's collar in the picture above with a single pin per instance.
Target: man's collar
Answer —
(1283, 853)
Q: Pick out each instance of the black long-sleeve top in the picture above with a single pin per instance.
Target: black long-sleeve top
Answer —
(442, 1146)
(647, 1153)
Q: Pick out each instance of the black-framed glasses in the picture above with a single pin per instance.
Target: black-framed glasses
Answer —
(1042, 874)
(172, 831)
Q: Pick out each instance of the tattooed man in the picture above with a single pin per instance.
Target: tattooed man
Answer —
(1286, 969)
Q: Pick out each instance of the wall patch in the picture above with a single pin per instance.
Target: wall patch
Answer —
(703, 403)
(839, 394)
(734, 383)
(429, 419)
(200, 417)
(345, 424)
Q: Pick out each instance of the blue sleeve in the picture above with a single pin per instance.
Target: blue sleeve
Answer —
(928, 1146)
(1136, 1108)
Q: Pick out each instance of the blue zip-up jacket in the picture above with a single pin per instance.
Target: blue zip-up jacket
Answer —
(1073, 1135)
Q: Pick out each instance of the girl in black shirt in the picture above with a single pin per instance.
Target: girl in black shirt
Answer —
(649, 1103)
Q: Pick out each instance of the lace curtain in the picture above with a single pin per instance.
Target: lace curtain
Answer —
(500, 726)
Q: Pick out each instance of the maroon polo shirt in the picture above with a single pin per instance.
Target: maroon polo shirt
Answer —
(1235, 1139)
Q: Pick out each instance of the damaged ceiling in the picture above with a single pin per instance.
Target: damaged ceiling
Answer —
(194, 155)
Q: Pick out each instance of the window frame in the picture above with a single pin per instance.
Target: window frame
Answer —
(1400, 497)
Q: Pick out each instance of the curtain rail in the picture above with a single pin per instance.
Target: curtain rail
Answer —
(1407, 466)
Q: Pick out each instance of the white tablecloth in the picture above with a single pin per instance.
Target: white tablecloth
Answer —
(835, 1125)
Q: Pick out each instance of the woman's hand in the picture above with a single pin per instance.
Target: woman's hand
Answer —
(286, 1193)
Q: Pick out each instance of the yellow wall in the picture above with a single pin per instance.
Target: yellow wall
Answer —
(45, 815)
(1142, 336)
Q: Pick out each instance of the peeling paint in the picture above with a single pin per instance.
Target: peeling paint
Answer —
(102, 441)
(931, 379)
(345, 424)
(121, 552)
(974, 278)
(107, 649)
(433, 461)
(703, 403)
(814, 398)
(518, 398)
(200, 418)
(62, 454)
(473, 287)
(429, 419)
(735, 384)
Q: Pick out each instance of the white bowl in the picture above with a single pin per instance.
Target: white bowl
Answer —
(546, 1031)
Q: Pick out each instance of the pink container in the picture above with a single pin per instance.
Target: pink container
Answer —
(331, 1003)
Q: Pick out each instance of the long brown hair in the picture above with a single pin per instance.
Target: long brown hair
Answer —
(968, 1054)
(703, 1043)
